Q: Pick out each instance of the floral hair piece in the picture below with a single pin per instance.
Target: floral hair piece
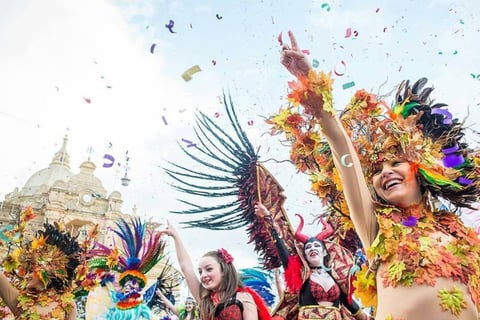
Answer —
(414, 128)
(227, 257)
(57, 257)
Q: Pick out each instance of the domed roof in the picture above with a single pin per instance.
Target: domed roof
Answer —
(59, 169)
(87, 180)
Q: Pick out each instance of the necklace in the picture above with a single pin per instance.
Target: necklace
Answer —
(322, 267)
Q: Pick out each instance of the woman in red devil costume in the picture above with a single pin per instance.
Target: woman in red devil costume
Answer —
(313, 281)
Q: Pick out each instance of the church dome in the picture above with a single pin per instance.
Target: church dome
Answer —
(58, 170)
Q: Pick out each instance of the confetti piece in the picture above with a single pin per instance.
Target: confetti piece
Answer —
(453, 160)
(217, 114)
(385, 29)
(214, 62)
(306, 51)
(315, 63)
(376, 11)
(87, 100)
(218, 16)
(450, 150)
(410, 222)
(189, 143)
(348, 32)
(326, 6)
(170, 25)
(445, 113)
(250, 122)
(475, 76)
(348, 85)
(279, 39)
(164, 120)
(343, 161)
(110, 158)
(340, 73)
(152, 47)
(187, 75)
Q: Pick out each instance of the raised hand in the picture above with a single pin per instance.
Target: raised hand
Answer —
(170, 230)
(292, 58)
(261, 211)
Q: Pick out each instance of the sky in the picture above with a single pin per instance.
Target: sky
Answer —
(108, 74)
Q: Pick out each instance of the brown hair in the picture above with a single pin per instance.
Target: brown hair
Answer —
(227, 289)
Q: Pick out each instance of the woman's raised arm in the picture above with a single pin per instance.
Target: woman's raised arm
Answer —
(356, 191)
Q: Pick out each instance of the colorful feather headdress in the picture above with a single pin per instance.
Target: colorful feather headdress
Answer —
(140, 248)
(414, 129)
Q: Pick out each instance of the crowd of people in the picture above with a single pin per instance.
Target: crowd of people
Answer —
(387, 171)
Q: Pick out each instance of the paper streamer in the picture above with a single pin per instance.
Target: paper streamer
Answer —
(187, 75)
(170, 25)
(445, 113)
(109, 158)
(348, 85)
(189, 143)
(326, 6)
(338, 73)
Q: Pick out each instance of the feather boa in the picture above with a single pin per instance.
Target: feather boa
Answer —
(293, 274)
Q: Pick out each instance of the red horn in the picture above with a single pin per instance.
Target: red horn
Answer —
(326, 232)
(298, 234)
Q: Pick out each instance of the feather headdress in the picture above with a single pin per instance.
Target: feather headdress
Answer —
(140, 251)
(414, 129)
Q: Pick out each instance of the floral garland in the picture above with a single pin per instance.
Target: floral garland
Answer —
(402, 247)
(27, 304)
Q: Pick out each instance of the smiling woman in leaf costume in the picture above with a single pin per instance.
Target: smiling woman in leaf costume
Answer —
(392, 165)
